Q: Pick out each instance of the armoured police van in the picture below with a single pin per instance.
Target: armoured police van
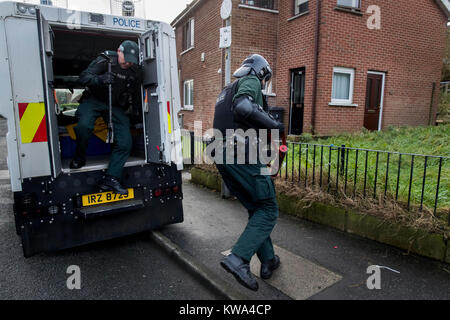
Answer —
(43, 50)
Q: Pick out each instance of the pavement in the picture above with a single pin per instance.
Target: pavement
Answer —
(318, 262)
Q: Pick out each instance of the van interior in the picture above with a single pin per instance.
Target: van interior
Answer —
(73, 51)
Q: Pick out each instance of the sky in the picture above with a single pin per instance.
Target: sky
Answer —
(160, 10)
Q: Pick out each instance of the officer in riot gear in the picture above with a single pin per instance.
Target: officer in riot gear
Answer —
(241, 106)
(125, 78)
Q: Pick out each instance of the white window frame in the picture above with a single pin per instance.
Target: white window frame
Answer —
(188, 106)
(191, 23)
(356, 4)
(296, 5)
(268, 89)
(343, 102)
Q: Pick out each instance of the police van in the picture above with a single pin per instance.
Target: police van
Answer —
(43, 50)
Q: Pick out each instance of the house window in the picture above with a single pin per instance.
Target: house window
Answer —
(300, 6)
(355, 4)
(342, 92)
(266, 4)
(189, 94)
(268, 88)
(188, 34)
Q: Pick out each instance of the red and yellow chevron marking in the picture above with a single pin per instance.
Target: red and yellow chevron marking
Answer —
(33, 126)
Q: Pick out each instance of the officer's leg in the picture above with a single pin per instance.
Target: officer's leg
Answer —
(265, 252)
(259, 196)
(86, 113)
(255, 235)
(122, 143)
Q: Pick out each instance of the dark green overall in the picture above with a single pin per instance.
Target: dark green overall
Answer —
(87, 114)
(126, 90)
(255, 191)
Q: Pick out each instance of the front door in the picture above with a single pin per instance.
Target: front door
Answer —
(297, 102)
(373, 101)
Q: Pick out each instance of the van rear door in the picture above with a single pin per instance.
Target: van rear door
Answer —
(161, 96)
(45, 37)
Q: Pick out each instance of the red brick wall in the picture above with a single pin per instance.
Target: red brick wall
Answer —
(296, 40)
(409, 47)
(254, 31)
(207, 82)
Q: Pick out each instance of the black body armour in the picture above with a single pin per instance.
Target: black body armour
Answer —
(223, 115)
(126, 85)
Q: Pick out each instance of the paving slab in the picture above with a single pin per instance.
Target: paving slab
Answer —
(296, 277)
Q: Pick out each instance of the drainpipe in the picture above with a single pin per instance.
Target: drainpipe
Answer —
(430, 116)
(316, 65)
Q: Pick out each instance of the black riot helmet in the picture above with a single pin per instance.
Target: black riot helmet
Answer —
(254, 64)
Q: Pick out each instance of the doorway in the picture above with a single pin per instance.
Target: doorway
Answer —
(297, 107)
(374, 101)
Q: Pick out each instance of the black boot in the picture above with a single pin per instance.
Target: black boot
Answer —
(240, 270)
(268, 267)
(111, 183)
(77, 163)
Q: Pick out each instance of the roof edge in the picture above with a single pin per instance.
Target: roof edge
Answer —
(188, 8)
(445, 7)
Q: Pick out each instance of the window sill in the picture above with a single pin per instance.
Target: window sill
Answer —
(187, 108)
(349, 10)
(187, 50)
(298, 16)
(257, 8)
(342, 104)
(269, 94)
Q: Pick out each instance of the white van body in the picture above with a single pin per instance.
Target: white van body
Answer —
(43, 48)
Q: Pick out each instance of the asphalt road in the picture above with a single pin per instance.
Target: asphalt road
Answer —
(132, 267)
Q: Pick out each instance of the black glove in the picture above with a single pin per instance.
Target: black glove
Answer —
(106, 78)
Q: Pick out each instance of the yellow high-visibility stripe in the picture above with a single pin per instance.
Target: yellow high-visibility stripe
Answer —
(170, 123)
(31, 121)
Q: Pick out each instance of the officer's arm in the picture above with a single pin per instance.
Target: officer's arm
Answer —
(89, 77)
(245, 110)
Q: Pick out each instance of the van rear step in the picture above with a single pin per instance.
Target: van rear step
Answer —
(108, 209)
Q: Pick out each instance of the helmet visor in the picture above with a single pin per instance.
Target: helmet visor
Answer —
(242, 71)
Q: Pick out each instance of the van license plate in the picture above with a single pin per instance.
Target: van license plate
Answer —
(105, 197)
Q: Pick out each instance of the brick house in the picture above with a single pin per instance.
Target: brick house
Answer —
(339, 65)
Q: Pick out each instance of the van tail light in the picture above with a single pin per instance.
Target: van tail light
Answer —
(166, 191)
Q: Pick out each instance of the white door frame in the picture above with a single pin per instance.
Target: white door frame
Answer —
(383, 74)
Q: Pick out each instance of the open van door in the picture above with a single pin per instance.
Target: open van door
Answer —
(45, 37)
(161, 96)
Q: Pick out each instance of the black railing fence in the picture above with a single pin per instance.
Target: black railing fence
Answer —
(413, 181)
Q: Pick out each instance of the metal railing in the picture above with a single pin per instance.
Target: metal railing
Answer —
(409, 179)
(413, 181)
